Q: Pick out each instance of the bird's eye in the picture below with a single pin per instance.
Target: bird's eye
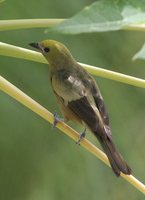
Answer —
(46, 49)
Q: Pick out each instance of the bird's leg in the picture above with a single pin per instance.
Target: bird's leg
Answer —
(82, 135)
(56, 120)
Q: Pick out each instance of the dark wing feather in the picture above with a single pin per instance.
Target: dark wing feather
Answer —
(100, 104)
(85, 112)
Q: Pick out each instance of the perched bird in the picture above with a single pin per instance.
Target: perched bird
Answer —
(79, 98)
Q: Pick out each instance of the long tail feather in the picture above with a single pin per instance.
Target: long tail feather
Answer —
(116, 160)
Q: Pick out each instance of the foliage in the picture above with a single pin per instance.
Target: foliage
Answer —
(104, 16)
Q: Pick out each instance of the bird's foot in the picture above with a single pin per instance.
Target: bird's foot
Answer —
(56, 120)
(82, 135)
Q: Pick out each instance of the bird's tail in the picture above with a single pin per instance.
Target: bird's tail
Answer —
(116, 160)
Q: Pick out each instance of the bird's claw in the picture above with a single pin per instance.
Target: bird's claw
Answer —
(56, 120)
(82, 135)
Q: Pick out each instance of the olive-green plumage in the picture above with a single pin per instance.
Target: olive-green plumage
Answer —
(79, 98)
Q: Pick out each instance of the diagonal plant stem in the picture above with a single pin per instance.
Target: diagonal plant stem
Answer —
(24, 99)
(14, 24)
(18, 52)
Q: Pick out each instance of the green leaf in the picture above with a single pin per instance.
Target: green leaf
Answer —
(140, 54)
(104, 15)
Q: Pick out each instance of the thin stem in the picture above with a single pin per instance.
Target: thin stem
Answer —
(45, 23)
(28, 23)
(134, 27)
(18, 52)
(24, 99)
(123, 78)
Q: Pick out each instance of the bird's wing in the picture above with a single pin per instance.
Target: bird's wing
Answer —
(77, 97)
(83, 109)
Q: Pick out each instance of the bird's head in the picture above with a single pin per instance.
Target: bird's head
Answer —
(55, 52)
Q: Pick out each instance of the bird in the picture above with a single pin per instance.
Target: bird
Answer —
(80, 99)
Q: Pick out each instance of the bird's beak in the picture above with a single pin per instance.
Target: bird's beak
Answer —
(35, 45)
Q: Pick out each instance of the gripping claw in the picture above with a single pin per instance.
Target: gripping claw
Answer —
(82, 135)
(56, 120)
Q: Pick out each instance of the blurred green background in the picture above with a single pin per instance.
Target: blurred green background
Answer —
(40, 163)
